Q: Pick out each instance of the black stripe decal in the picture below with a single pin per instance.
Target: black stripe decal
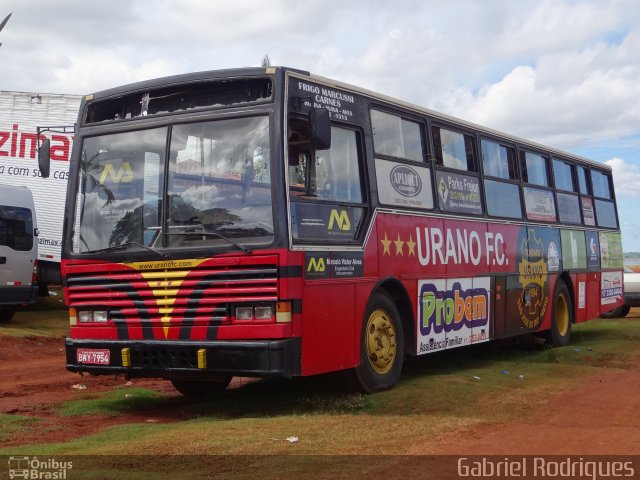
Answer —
(291, 271)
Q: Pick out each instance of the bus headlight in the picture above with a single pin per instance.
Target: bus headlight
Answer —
(261, 313)
(88, 316)
(244, 313)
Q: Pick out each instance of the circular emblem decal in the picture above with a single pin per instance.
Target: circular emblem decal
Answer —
(405, 180)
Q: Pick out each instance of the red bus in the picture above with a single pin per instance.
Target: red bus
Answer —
(270, 222)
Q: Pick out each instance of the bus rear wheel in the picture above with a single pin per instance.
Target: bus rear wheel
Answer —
(562, 315)
(617, 312)
(199, 388)
(381, 346)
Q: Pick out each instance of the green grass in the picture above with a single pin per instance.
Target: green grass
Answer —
(12, 426)
(439, 394)
(114, 402)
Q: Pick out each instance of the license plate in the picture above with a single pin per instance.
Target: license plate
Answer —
(93, 356)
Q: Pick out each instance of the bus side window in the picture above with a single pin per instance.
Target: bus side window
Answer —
(338, 169)
(332, 174)
(454, 150)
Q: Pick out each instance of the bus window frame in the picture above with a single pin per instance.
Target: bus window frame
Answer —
(516, 164)
(437, 166)
(403, 115)
(438, 160)
(365, 206)
(364, 181)
(611, 199)
(522, 151)
(609, 184)
(574, 175)
(567, 193)
(587, 180)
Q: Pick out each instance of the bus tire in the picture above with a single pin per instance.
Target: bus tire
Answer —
(617, 312)
(6, 314)
(381, 346)
(199, 388)
(561, 315)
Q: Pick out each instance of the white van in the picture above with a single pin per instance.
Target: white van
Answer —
(18, 249)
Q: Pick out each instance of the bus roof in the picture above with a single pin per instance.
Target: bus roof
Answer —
(258, 71)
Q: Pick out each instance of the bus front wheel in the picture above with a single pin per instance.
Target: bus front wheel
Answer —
(381, 346)
(198, 388)
(562, 317)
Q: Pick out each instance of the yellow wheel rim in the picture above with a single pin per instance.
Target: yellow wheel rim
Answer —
(380, 340)
(562, 315)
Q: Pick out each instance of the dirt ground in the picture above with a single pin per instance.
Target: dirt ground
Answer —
(599, 417)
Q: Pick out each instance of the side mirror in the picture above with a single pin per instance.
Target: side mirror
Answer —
(320, 128)
(44, 158)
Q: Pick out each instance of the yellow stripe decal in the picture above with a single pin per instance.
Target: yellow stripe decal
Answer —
(165, 286)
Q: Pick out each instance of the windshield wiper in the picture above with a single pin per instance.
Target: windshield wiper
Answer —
(212, 234)
(126, 245)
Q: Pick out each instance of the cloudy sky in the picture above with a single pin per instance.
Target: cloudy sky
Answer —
(564, 73)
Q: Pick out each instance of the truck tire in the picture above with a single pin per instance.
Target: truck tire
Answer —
(6, 314)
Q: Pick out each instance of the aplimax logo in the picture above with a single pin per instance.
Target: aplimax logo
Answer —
(451, 310)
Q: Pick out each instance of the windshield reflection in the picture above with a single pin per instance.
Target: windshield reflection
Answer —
(218, 189)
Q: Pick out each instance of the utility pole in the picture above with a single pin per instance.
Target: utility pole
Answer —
(4, 22)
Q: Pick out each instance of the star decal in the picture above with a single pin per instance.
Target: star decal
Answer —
(386, 243)
(399, 244)
(412, 246)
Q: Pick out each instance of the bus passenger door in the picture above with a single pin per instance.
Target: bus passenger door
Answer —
(499, 306)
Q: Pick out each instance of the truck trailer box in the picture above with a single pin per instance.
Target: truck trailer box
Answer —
(21, 113)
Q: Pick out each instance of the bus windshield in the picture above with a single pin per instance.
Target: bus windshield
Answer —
(213, 190)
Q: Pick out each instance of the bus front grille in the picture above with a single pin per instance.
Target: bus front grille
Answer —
(203, 293)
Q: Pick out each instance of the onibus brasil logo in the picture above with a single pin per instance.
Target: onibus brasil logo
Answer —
(35, 468)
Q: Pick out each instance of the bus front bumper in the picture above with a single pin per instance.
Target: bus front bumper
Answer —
(185, 359)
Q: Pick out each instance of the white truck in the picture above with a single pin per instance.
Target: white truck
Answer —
(21, 113)
(18, 249)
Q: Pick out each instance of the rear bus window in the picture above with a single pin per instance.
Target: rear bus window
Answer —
(582, 181)
(600, 182)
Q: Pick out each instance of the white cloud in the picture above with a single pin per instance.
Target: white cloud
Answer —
(626, 177)
(565, 98)
(561, 72)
